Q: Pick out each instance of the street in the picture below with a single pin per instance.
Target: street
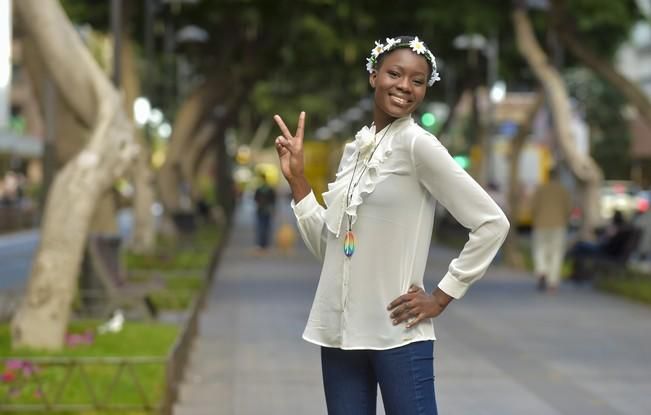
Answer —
(16, 253)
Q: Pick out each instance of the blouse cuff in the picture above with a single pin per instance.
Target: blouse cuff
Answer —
(305, 207)
(452, 286)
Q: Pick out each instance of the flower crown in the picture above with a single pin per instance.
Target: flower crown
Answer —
(416, 45)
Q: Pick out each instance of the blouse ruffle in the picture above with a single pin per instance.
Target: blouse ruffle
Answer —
(335, 196)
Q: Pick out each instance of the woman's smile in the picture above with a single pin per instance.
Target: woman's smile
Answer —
(401, 101)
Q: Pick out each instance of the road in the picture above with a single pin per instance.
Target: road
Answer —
(16, 253)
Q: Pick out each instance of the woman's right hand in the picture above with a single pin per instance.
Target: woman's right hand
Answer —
(290, 149)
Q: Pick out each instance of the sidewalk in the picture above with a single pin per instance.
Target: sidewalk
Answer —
(503, 349)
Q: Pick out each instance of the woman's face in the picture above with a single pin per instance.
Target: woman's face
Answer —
(400, 82)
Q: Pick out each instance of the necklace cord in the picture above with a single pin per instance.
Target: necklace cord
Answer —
(349, 193)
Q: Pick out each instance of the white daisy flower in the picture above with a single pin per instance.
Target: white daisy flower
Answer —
(430, 57)
(417, 46)
(390, 43)
(370, 65)
(435, 77)
(379, 48)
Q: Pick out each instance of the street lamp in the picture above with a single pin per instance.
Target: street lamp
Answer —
(5, 60)
(192, 33)
(474, 42)
(141, 110)
(116, 29)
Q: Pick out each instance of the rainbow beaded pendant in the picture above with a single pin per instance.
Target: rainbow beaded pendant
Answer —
(349, 244)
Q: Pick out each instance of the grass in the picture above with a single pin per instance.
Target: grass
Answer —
(182, 265)
(178, 292)
(135, 339)
(188, 252)
(631, 285)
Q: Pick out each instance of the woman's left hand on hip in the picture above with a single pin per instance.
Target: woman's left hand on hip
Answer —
(414, 307)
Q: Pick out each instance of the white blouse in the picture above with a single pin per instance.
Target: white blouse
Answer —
(392, 211)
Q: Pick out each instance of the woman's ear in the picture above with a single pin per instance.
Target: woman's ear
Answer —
(371, 79)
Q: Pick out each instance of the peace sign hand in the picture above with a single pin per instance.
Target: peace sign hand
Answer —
(290, 149)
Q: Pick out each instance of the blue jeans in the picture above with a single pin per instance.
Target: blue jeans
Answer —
(263, 229)
(405, 375)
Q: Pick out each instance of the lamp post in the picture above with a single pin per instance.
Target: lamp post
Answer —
(474, 43)
(5, 61)
(116, 29)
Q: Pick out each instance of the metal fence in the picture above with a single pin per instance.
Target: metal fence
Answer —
(35, 375)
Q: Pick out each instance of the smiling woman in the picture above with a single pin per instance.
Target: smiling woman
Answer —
(399, 84)
(371, 315)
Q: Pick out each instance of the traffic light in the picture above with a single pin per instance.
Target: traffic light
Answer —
(463, 161)
(428, 120)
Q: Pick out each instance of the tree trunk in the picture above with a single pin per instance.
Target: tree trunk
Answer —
(583, 167)
(512, 251)
(143, 236)
(188, 120)
(225, 187)
(632, 91)
(143, 239)
(42, 317)
(188, 160)
(71, 135)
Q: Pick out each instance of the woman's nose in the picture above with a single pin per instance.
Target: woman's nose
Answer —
(403, 84)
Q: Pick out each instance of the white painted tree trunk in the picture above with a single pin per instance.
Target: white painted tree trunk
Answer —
(42, 317)
(143, 237)
(583, 167)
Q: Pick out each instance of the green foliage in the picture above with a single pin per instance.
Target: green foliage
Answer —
(95, 13)
(609, 130)
(603, 24)
(310, 55)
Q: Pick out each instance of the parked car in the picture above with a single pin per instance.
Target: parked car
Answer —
(622, 195)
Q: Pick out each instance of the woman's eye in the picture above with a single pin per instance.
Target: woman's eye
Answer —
(393, 74)
(419, 82)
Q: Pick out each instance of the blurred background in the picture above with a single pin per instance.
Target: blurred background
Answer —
(200, 81)
(126, 127)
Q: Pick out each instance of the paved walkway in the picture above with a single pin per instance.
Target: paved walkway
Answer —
(503, 349)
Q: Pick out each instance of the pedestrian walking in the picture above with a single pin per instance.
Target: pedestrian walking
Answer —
(372, 315)
(551, 206)
(265, 200)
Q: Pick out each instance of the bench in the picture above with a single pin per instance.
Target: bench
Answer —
(588, 267)
(104, 286)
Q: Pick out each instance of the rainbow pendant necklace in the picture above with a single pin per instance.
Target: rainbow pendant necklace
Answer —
(349, 239)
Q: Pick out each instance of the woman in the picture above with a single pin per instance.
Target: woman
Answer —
(371, 315)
